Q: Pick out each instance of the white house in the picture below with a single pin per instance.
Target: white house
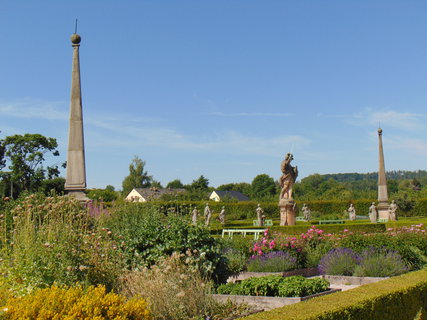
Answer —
(218, 195)
(147, 194)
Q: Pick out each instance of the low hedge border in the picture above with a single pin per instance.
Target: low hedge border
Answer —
(398, 298)
(331, 228)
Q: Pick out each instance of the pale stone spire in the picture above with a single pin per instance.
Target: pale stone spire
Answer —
(382, 181)
(75, 182)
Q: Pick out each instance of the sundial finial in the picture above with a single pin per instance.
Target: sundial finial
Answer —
(75, 28)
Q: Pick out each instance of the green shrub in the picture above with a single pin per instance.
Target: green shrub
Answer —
(54, 240)
(398, 298)
(149, 235)
(331, 228)
(275, 286)
(74, 303)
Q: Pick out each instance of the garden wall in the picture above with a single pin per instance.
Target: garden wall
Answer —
(398, 298)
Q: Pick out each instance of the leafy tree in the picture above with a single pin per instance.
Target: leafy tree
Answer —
(137, 178)
(102, 194)
(26, 154)
(110, 188)
(56, 184)
(242, 187)
(263, 186)
(175, 184)
(156, 184)
(201, 183)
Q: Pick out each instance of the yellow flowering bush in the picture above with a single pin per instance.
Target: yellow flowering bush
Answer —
(74, 303)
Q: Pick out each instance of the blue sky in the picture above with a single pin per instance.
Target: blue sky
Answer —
(221, 88)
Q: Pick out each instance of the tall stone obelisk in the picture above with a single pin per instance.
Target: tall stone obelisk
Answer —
(382, 181)
(75, 182)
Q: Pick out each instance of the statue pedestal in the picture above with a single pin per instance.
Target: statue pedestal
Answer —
(287, 212)
(382, 209)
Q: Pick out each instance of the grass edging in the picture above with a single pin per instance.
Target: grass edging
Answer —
(403, 297)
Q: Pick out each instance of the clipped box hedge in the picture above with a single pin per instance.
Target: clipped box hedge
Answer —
(398, 298)
(331, 228)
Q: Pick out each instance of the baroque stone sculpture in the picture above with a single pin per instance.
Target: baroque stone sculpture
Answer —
(208, 215)
(287, 180)
(195, 215)
(222, 216)
(352, 212)
(260, 215)
(373, 214)
(392, 211)
(306, 212)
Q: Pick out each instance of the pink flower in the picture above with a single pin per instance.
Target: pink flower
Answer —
(266, 232)
(272, 244)
(345, 230)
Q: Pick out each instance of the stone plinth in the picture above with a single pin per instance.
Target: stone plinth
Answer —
(382, 209)
(287, 212)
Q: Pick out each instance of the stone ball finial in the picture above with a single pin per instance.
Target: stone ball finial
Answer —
(75, 38)
(380, 130)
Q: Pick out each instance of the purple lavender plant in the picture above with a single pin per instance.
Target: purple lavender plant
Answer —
(276, 261)
(380, 263)
(339, 261)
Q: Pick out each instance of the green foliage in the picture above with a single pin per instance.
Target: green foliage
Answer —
(175, 184)
(26, 154)
(275, 286)
(398, 298)
(201, 184)
(263, 187)
(102, 195)
(331, 228)
(150, 234)
(55, 185)
(54, 241)
(137, 178)
(242, 187)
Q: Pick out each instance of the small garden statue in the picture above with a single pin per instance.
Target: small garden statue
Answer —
(352, 212)
(306, 212)
(208, 215)
(195, 215)
(392, 211)
(373, 213)
(222, 216)
(259, 215)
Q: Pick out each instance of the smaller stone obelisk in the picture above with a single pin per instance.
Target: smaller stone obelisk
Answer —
(383, 204)
(75, 182)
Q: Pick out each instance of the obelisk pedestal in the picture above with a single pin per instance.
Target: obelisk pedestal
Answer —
(287, 212)
(75, 182)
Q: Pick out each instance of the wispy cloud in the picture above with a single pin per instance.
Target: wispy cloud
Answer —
(35, 109)
(409, 145)
(251, 114)
(402, 120)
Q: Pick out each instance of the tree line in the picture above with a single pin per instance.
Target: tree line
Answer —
(23, 169)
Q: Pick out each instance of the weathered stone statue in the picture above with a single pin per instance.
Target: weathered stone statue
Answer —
(260, 214)
(222, 216)
(392, 211)
(306, 212)
(287, 180)
(208, 215)
(195, 215)
(373, 214)
(289, 175)
(352, 212)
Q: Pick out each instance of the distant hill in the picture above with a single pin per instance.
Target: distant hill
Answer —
(396, 175)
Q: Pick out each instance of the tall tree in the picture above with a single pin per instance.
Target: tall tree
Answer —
(175, 184)
(26, 154)
(201, 183)
(137, 178)
(263, 186)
